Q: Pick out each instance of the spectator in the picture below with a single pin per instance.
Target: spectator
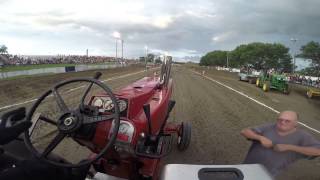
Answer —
(280, 144)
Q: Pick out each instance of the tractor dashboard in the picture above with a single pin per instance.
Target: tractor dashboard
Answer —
(105, 105)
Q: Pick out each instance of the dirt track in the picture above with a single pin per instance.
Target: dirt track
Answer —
(26, 88)
(218, 114)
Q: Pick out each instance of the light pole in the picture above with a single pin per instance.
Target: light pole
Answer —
(122, 50)
(117, 36)
(116, 49)
(294, 40)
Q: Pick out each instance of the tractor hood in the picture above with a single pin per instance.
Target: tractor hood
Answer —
(138, 93)
(141, 87)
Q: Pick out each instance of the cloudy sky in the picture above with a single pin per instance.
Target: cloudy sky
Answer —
(179, 27)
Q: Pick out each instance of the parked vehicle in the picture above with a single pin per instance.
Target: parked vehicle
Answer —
(246, 74)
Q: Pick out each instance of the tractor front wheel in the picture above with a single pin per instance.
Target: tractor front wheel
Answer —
(184, 136)
(309, 94)
(266, 86)
(258, 82)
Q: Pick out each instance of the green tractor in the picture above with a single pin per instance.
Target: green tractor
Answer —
(273, 81)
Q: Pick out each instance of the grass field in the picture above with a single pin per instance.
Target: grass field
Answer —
(37, 66)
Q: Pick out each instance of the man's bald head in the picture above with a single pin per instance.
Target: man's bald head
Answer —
(292, 115)
(287, 121)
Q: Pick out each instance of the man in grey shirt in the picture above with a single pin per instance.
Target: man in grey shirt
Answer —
(279, 144)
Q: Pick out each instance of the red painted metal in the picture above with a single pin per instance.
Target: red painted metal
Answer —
(144, 91)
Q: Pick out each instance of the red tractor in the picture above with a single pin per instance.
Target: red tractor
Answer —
(127, 131)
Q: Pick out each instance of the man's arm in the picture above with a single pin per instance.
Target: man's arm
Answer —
(308, 145)
(250, 134)
(308, 151)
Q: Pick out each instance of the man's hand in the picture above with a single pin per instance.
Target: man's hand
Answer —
(282, 147)
(265, 142)
(252, 135)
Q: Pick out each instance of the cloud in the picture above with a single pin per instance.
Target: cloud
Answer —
(4, 1)
(223, 37)
(183, 27)
(162, 21)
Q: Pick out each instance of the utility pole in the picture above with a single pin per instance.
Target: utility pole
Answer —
(146, 48)
(294, 40)
(87, 53)
(227, 59)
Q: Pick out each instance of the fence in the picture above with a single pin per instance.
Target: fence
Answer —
(57, 70)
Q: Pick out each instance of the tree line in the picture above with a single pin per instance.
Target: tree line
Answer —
(150, 58)
(263, 56)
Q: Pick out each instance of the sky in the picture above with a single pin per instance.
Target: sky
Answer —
(181, 28)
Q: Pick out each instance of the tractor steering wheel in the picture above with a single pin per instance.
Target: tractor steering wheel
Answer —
(70, 121)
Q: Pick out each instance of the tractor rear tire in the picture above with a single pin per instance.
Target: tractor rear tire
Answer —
(258, 82)
(184, 136)
(266, 87)
(287, 90)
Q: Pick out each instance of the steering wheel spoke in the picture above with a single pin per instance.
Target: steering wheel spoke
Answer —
(62, 105)
(96, 119)
(53, 144)
(48, 120)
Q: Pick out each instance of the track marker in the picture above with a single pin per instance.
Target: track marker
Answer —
(73, 89)
(252, 99)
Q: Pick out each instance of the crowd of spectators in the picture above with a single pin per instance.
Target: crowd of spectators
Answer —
(305, 80)
(296, 78)
(59, 59)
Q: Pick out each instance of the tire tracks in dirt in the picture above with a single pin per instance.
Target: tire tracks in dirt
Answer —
(217, 116)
